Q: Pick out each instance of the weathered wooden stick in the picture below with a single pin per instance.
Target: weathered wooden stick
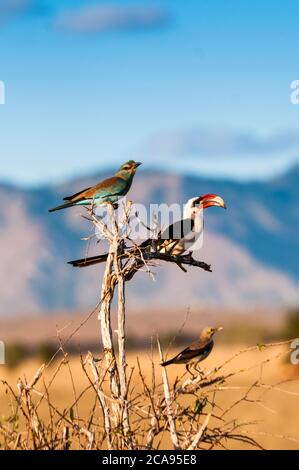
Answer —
(122, 363)
(170, 414)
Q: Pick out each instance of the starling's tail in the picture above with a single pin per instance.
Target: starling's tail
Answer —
(166, 363)
(84, 262)
(63, 206)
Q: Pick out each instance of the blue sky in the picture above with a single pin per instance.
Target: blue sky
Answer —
(195, 86)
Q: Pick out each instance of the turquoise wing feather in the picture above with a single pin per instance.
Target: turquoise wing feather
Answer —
(117, 187)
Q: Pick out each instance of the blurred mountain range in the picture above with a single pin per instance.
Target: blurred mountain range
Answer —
(253, 247)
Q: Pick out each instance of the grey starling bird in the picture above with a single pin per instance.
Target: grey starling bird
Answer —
(197, 351)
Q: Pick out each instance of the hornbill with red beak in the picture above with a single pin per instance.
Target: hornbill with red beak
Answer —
(175, 239)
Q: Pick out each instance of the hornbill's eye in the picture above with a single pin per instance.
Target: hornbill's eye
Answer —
(197, 202)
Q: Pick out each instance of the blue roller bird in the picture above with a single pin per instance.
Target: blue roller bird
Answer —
(107, 191)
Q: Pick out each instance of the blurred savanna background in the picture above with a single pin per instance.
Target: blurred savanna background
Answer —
(200, 92)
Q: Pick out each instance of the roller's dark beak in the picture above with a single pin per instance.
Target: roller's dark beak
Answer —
(137, 164)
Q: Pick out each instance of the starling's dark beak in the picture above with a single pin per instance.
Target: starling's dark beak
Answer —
(215, 330)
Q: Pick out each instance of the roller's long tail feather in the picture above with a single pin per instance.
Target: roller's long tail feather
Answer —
(63, 206)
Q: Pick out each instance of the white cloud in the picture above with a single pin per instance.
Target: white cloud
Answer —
(101, 18)
(205, 142)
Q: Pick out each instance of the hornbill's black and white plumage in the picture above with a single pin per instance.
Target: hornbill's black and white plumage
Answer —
(176, 239)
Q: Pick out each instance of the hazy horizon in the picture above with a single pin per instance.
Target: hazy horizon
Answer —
(112, 167)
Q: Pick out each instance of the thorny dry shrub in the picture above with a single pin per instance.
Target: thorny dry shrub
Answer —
(185, 415)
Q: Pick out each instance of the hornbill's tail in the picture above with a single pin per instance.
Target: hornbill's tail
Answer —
(84, 262)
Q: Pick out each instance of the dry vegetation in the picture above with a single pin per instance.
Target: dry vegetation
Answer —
(256, 400)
